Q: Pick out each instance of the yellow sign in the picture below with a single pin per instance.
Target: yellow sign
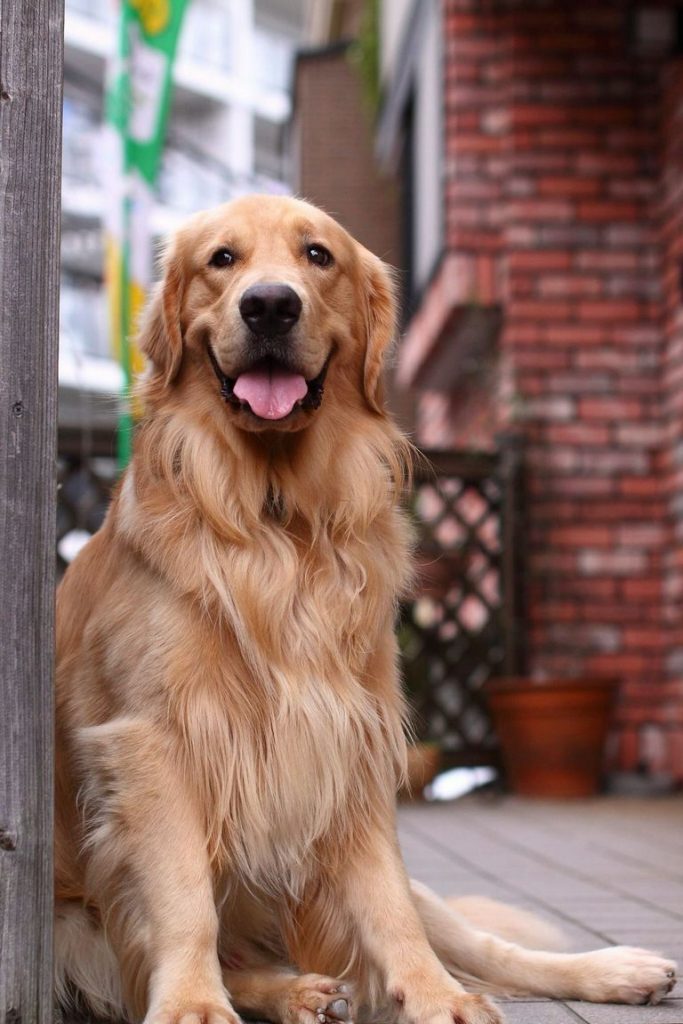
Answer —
(154, 15)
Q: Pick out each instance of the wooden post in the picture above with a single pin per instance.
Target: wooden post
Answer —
(31, 63)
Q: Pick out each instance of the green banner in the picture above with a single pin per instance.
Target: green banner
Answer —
(137, 104)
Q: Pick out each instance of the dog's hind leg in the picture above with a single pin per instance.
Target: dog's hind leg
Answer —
(85, 964)
(489, 963)
(508, 922)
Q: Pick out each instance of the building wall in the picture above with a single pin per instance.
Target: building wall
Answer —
(333, 152)
(554, 211)
(229, 105)
(334, 167)
(672, 456)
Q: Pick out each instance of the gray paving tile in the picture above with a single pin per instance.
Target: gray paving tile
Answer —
(607, 870)
(668, 1012)
(539, 1012)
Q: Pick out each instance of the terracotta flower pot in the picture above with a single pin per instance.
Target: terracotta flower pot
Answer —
(423, 765)
(552, 733)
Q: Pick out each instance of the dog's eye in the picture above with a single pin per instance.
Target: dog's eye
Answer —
(319, 255)
(222, 258)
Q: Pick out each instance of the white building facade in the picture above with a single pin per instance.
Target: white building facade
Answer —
(226, 136)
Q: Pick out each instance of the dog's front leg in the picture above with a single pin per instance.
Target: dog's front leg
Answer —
(376, 891)
(148, 871)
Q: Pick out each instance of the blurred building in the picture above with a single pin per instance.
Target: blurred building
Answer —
(333, 163)
(540, 147)
(230, 107)
(332, 145)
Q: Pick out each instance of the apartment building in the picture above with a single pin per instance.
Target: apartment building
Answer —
(230, 107)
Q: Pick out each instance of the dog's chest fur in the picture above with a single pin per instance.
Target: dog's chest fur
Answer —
(292, 740)
(289, 707)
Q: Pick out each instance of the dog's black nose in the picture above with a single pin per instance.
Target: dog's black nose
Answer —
(270, 309)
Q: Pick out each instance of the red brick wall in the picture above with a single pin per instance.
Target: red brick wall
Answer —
(672, 246)
(554, 184)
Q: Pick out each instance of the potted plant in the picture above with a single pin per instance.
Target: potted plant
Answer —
(552, 732)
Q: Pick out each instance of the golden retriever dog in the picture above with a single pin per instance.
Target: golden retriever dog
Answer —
(230, 724)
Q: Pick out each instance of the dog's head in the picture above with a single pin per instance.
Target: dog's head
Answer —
(269, 301)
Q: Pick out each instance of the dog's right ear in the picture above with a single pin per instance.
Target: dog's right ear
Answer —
(160, 333)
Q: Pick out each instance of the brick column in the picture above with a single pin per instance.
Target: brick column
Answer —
(672, 456)
(583, 331)
(554, 211)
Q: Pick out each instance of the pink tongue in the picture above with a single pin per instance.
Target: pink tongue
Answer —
(271, 394)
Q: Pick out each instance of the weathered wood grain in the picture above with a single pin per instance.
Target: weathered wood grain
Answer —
(30, 156)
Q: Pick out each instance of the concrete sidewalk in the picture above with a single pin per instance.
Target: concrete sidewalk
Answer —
(607, 871)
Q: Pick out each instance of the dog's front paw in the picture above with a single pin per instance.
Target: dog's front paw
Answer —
(443, 1003)
(621, 974)
(469, 1009)
(191, 1012)
(315, 999)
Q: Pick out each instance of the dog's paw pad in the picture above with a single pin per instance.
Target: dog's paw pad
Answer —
(315, 999)
(200, 1013)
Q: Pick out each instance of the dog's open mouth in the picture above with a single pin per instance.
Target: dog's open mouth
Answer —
(271, 390)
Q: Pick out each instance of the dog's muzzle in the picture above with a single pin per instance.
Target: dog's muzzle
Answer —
(269, 388)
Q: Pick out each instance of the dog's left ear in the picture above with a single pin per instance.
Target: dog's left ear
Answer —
(380, 320)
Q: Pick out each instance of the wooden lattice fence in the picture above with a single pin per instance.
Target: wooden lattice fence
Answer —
(86, 473)
(464, 622)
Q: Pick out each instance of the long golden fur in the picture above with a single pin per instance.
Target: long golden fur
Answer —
(230, 725)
